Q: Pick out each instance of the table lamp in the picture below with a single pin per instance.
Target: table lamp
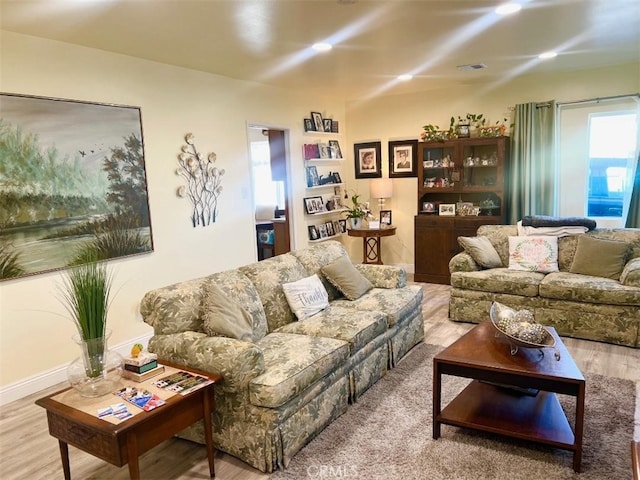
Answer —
(381, 188)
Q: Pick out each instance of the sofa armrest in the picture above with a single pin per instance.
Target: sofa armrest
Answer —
(631, 273)
(383, 276)
(463, 262)
(238, 362)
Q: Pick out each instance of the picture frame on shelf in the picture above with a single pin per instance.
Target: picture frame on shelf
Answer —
(335, 126)
(308, 125)
(313, 180)
(343, 225)
(334, 149)
(322, 230)
(429, 207)
(313, 232)
(311, 151)
(323, 150)
(313, 205)
(403, 158)
(337, 179)
(330, 230)
(367, 160)
(318, 124)
(385, 217)
(326, 124)
(336, 227)
(447, 209)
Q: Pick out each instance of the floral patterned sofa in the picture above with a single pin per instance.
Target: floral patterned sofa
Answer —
(292, 378)
(576, 305)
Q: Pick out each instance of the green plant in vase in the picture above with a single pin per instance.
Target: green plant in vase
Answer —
(356, 212)
(85, 294)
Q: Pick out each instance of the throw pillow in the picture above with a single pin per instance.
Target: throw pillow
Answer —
(599, 257)
(344, 276)
(533, 254)
(223, 317)
(306, 297)
(481, 250)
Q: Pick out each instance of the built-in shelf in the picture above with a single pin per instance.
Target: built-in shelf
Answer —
(328, 212)
(326, 238)
(326, 185)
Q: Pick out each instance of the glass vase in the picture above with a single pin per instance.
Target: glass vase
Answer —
(97, 370)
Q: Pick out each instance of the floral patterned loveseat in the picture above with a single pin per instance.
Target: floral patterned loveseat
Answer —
(576, 305)
(292, 378)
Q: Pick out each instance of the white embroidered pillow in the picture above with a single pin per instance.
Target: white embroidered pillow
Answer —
(533, 254)
(306, 297)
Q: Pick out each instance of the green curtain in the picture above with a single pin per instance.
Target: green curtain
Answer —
(633, 216)
(532, 167)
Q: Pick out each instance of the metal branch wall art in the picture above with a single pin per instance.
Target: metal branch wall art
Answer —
(204, 182)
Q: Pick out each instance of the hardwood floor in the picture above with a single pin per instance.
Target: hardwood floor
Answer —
(28, 452)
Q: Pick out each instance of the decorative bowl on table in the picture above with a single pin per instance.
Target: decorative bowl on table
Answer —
(521, 329)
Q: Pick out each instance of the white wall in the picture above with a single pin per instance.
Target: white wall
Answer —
(401, 117)
(35, 334)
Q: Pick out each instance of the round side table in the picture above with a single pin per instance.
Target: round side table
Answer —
(371, 242)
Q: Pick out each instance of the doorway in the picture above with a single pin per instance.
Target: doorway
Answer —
(271, 190)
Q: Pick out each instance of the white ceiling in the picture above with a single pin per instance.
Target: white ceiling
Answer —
(268, 40)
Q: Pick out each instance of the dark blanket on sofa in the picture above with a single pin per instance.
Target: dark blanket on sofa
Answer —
(547, 221)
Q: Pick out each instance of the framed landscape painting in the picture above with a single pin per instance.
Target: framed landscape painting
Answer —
(73, 185)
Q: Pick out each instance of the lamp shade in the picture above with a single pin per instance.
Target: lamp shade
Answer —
(381, 188)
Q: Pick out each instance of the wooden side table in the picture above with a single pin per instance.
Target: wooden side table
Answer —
(371, 242)
(123, 442)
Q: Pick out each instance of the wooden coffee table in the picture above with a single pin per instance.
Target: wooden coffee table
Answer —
(123, 442)
(482, 356)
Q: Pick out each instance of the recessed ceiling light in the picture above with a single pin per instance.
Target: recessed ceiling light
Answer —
(405, 77)
(546, 55)
(322, 47)
(508, 8)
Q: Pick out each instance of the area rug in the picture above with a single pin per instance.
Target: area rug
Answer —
(387, 435)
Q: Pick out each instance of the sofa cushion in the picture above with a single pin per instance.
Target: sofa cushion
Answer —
(588, 289)
(223, 316)
(398, 303)
(268, 277)
(293, 363)
(237, 286)
(344, 276)
(306, 297)
(357, 327)
(316, 256)
(533, 254)
(499, 280)
(599, 257)
(481, 250)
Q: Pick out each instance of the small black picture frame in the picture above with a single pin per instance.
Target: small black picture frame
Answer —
(385, 217)
(336, 178)
(326, 124)
(343, 225)
(308, 125)
(403, 158)
(367, 160)
(335, 126)
(313, 233)
(313, 205)
(313, 180)
(334, 148)
(330, 231)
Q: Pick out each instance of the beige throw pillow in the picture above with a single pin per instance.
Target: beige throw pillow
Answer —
(344, 276)
(223, 317)
(599, 257)
(306, 297)
(481, 250)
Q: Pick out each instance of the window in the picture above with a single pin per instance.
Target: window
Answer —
(266, 191)
(597, 156)
(612, 147)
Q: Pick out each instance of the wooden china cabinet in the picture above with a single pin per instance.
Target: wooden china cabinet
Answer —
(456, 179)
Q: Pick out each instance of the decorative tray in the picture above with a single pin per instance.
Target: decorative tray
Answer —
(548, 341)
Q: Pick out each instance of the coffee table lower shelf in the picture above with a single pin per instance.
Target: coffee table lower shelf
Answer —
(489, 408)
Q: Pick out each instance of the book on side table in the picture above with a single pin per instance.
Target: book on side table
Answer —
(141, 377)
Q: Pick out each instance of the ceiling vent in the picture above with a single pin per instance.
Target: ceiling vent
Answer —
(470, 67)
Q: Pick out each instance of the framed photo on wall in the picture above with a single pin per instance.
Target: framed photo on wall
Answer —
(367, 160)
(317, 121)
(313, 205)
(313, 232)
(326, 124)
(403, 158)
(308, 125)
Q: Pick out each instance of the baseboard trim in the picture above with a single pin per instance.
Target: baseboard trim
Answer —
(35, 383)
